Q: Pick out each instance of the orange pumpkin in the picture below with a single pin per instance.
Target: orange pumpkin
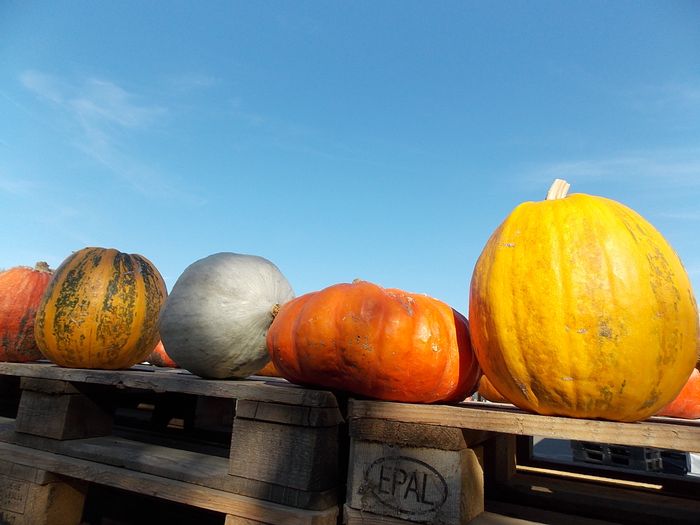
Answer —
(159, 357)
(489, 392)
(687, 403)
(269, 370)
(21, 289)
(380, 343)
(579, 307)
(100, 310)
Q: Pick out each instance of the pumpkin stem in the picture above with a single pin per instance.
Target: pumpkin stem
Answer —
(42, 266)
(275, 310)
(558, 190)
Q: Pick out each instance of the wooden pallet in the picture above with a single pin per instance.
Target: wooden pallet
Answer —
(439, 464)
(281, 464)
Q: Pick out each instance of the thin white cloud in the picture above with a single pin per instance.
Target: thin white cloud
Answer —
(102, 100)
(193, 81)
(672, 105)
(693, 215)
(101, 115)
(681, 96)
(46, 86)
(681, 168)
(15, 186)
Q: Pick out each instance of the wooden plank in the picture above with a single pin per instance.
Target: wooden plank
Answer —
(416, 484)
(531, 517)
(47, 386)
(655, 432)
(304, 458)
(172, 490)
(182, 465)
(411, 434)
(303, 499)
(177, 380)
(237, 520)
(289, 414)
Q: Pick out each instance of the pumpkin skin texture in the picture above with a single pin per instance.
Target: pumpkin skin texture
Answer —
(489, 392)
(380, 343)
(21, 289)
(687, 403)
(269, 370)
(100, 310)
(579, 307)
(217, 316)
(159, 357)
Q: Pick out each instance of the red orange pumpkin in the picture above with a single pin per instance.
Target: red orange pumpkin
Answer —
(269, 370)
(381, 343)
(687, 403)
(159, 357)
(21, 289)
(489, 392)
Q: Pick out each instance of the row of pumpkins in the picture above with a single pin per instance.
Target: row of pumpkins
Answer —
(578, 307)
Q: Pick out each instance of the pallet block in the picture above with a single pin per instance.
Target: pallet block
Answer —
(29, 496)
(415, 473)
(58, 410)
(286, 454)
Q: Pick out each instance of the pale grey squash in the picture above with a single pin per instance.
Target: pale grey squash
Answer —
(216, 318)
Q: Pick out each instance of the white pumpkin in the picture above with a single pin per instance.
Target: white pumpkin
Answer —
(216, 318)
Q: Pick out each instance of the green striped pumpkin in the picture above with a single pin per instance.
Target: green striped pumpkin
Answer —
(100, 310)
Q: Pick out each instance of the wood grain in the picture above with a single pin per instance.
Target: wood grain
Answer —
(665, 433)
(177, 380)
(536, 517)
(419, 485)
(61, 416)
(300, 457)
(168, 489)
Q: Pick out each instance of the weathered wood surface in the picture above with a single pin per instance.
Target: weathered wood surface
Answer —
(190, 467)
(304, 458)
(177, 380)
(423, 485)
(61, 416)
(667, 433)
(182, 465)
(534, 517)
(29, 496)
(289, 415)
(165, 488)
(414, 435)
(286, 454)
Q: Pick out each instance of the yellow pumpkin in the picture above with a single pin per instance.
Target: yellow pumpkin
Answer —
(579, 307)
(100, 310)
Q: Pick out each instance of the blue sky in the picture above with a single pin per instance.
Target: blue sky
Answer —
(376, 140)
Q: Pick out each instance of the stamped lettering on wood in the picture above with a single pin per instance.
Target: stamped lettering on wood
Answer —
(415, 484)
(13, 494)
(406, 485)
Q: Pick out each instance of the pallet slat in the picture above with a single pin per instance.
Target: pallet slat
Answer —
(158, 380)
(655, 432)
(163, 488)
